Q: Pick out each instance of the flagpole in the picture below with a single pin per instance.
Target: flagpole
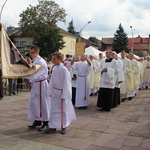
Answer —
(2, 9)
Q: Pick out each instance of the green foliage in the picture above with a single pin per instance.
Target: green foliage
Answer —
(120, 40)
(94, 40)
(40, 22)
(71, 27)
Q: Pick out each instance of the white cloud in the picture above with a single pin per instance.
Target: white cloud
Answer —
(105, 15)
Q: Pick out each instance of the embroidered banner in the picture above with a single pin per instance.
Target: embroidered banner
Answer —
(10, 56)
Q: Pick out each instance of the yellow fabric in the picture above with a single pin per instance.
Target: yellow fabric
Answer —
(12, 70)
(94, 76)
(146, 74)
(127, 85)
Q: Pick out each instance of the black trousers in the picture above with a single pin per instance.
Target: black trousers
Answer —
(105, 98)
(73, 95)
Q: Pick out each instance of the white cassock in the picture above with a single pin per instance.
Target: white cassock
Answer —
(94, 77)
(136, 77)
(39, 103)
(141, 64)
(120, 75)
(82, 88)
(127, 85)
(60, 89)
(146, 75)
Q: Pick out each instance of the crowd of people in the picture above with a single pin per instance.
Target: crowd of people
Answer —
(60, 85)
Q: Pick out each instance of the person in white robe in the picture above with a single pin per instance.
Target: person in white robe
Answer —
(101, 58)
(136, 76)
(142, 85)
(119, 80)
(62, 112)
(73, 74)
(146, 75)
(109, 70)
(94, 76)
(39, 103)
(82, 88)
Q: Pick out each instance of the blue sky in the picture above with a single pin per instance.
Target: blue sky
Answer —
(105, 15)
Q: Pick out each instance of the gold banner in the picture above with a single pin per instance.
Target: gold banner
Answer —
(10, 56)
(80, 48)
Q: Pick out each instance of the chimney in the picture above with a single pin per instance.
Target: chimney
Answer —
(138, 36)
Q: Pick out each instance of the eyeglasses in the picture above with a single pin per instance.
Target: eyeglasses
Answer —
(32, 52)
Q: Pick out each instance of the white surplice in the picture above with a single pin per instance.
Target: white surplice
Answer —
(104, 77)
(62, 111)
(82, 88)
(35, 106)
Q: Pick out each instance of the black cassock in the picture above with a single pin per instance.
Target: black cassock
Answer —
(106, 96)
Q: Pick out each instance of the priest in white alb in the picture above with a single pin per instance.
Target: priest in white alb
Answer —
(109, 70)
(146, 75)
(82, 87)
(94, 76)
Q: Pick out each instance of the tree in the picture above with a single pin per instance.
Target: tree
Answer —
(120, 40)
(94, 40)
(39, 22)
(71, 27)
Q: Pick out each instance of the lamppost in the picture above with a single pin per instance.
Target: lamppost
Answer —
(2, 10)
(82, 30)
(132, 38)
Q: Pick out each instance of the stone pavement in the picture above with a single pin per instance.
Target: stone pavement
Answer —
(126, 127)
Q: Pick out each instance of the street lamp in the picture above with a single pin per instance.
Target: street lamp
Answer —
(82, 30)
(132, 38)
(2, 10)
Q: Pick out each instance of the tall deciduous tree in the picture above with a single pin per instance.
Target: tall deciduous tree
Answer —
(40, 22)
(71, 27)
(120, 40)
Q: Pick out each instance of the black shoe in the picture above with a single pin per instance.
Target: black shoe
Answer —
(63, 131)
(36, 123)
(107, 110)
(146, 87)
(130, 98)
(50, 130)
(91, 94)
(14, 93)
(84, 107)
(44, 126)
(123, 99)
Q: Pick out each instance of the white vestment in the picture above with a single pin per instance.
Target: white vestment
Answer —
(146, 75)
(39, 103)
(94, 77)
(62, 111)
(127, 85)
(82, 88)
(112, 67)
(120, 76)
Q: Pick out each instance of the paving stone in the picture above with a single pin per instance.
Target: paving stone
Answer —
(126, 127)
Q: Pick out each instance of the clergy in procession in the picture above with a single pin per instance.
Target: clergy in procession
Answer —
(146, 75)
(101, 58)
(39, 103)
(109, 70)
(127, 85)
(142, 85)
(82, 88)
(119, 80)
(136, 76)
(73, 74)
(94, 76)
(62, 111)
